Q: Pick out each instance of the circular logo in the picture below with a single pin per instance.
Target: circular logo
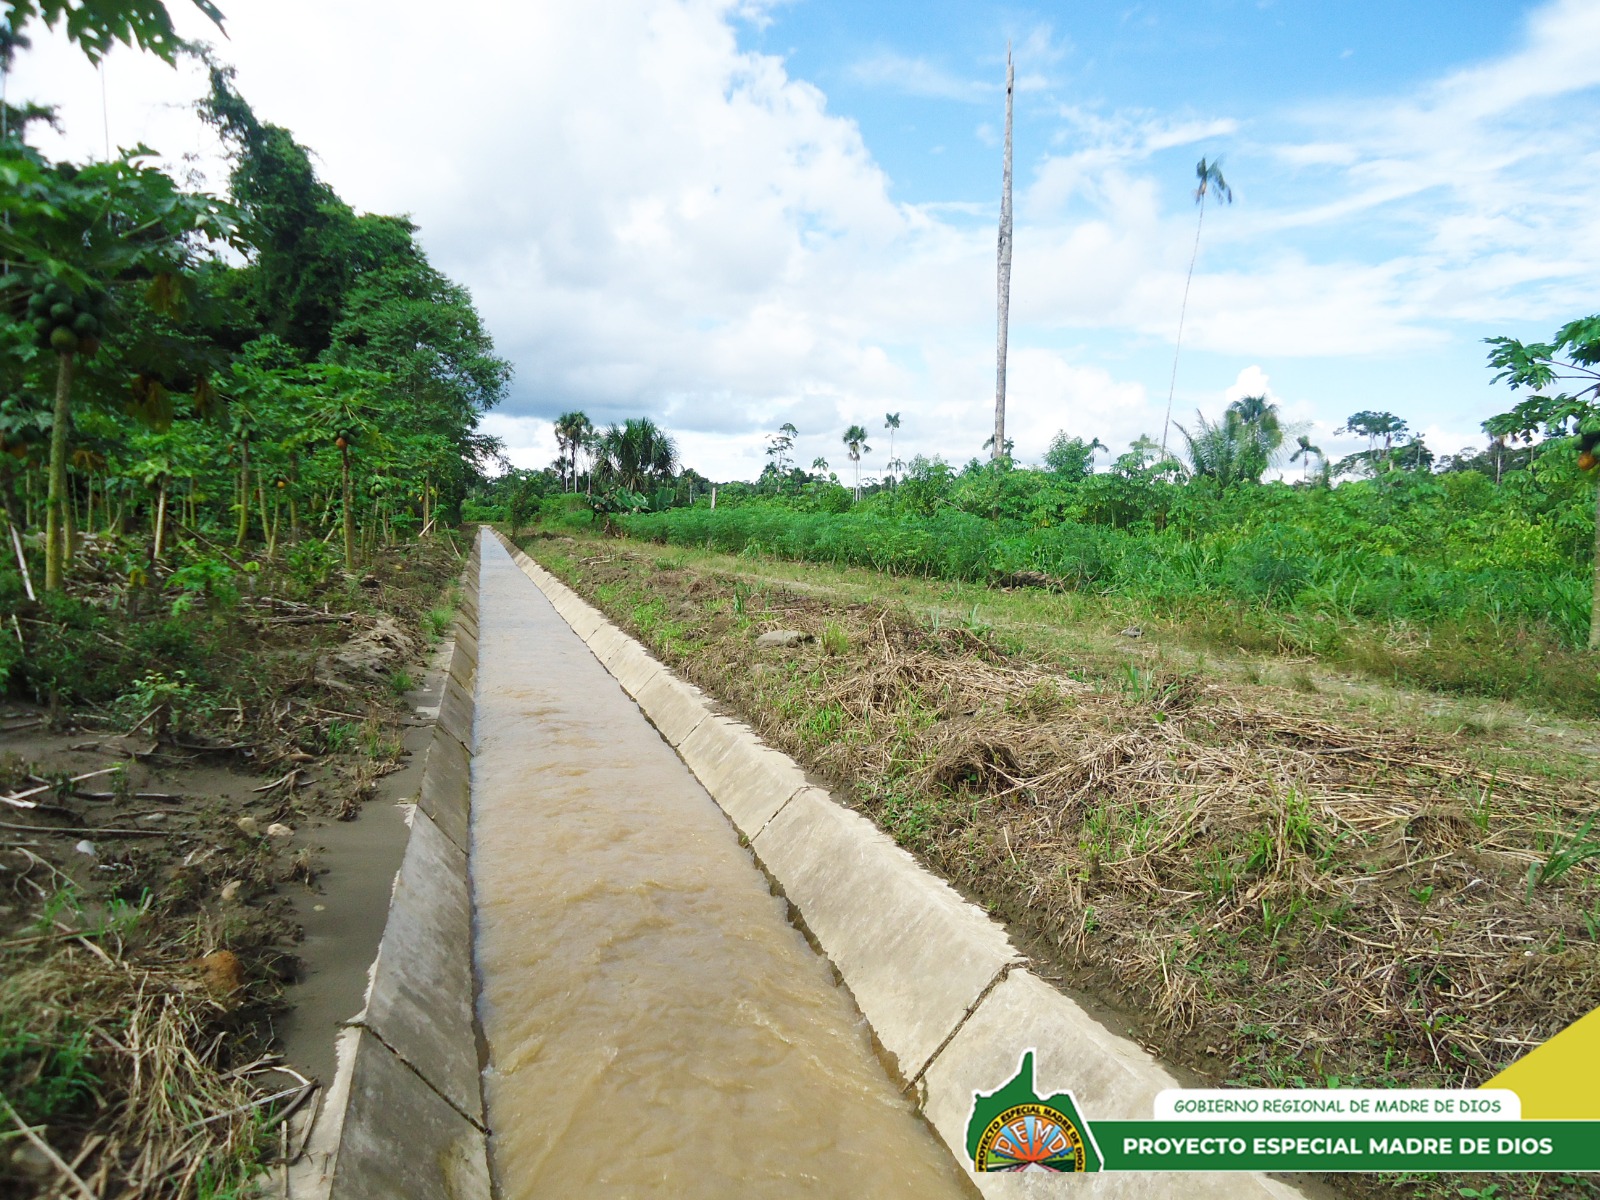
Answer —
(1030, 1136)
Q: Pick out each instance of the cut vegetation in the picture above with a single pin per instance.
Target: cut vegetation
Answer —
(1282, 884)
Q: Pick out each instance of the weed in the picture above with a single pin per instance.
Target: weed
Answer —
(436, 623)
(400, 682)
(340, 735)
(46, 1077)
(1591, 921)
(208, 579)
(835, 641)
(1565, 853)
(1422, 894)
(173, 702)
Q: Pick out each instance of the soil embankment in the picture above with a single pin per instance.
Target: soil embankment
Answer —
(171, 825)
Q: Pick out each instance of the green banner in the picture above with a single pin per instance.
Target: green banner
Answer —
(1348, 1145)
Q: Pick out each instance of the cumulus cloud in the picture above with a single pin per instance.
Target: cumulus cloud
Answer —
(658, 221)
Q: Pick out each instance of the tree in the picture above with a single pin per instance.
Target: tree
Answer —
(1210, 176)
(1574, 356)
(1094, 445)
(779, 445)
(1239, 448)
(635, 455)
(1003, 282)
(1069, 457)
(1305, 452)
(1372, 425)
(572, 429)
(891, 422)
(92, 240)
(855, 438)
(95, 24)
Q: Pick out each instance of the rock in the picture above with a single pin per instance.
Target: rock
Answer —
(85, 847)
(1133, 631)
(30, 1162)
(783, 639)
(230, 890)
(248, 825)
(276, 830)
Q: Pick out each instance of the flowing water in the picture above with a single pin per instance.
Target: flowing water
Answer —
(655, 1025)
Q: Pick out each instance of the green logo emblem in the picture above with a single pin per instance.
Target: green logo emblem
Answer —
(1012, 1129)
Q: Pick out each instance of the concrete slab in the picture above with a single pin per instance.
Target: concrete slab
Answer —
(583, 619)
(606, 640)
(673, 706)
(751, 781)
(446, 794)
(914, 953)
(1109, 1076)
(420, 1002)
(400, 1138)
(632, 665)
(455, 711)
(469, 642)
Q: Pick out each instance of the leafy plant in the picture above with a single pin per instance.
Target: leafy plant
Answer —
(1565, 852)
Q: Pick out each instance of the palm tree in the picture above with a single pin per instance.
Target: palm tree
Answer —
(819, 463)
(891, 422)
(1304, 453)
(572, 431)
(1096, 444)
(635, 454)
(1240, 447)
(856, 439)
(1259, 427)
(1210, 176)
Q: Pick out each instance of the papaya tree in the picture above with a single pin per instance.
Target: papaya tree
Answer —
(1570, 365)
(86, 243)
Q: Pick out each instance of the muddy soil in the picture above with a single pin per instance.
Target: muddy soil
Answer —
(160, 878)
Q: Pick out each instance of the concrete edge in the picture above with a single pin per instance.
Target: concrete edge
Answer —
(945, 993)
(404, 1115)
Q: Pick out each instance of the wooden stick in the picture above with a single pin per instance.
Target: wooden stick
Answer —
(44, 1148)
(20, 799)
(22, 561)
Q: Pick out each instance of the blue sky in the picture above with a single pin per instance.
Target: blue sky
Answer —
(727, 214)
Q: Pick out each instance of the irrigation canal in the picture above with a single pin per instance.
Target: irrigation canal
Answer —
(655, 1026)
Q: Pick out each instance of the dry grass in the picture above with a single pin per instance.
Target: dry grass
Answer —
(1287, 892)
(157, 1103)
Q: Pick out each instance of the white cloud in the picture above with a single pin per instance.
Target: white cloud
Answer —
(920, 77)
(656, 221)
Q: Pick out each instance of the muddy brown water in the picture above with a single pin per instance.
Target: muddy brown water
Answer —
(655, 1025)
(342, 920)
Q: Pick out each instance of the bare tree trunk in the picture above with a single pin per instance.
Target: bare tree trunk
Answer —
(161, 518)
(1594, 611)
(1003, 278)
(349, 510)
(244, 494)
(54, 566)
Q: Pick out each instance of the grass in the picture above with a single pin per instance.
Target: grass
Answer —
(1289, 885)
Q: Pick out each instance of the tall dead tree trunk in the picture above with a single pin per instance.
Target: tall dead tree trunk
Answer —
(1004, 278)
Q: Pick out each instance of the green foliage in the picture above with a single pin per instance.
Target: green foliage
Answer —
(1565, 853)
(95, 24)
(207, 579)
(46, 1078)
(183, 704)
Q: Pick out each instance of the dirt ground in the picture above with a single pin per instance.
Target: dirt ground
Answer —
(150, 869)
(1272, 885)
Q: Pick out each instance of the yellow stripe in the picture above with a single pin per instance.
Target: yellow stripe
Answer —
(1557, 1081)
